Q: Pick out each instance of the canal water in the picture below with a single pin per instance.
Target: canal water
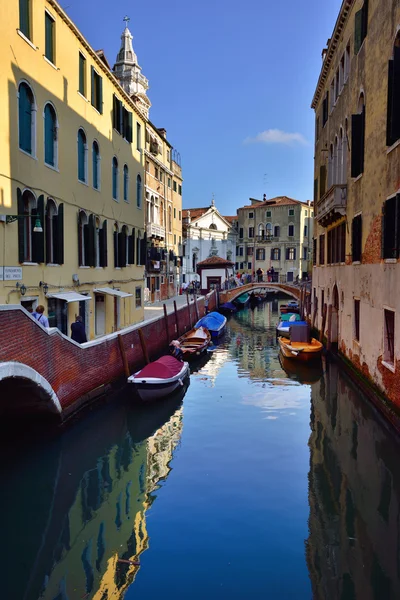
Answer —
(264, 481)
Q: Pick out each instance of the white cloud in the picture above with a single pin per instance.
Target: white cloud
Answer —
(276, 136)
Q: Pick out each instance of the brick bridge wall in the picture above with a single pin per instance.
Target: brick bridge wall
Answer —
(229, 295)
(75, 371)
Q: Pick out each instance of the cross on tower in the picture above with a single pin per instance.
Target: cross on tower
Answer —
(126, 20)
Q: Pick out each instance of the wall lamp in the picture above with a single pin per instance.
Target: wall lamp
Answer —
(7, 219)
(21, 287)
(44, 287)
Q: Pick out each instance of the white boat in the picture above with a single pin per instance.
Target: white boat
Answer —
(160, 378)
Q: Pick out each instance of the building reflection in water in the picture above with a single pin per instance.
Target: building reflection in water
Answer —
(94, 494)
(353, 549)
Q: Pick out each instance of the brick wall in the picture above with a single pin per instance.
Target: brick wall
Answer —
(75, 371)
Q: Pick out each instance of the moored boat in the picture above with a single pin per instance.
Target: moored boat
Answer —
(214, 322)
(159, 378)
(300, 351)
(242, 301)
(194, 342)
(227, 309)
(291, 307)
(288, 317)
(283, 327)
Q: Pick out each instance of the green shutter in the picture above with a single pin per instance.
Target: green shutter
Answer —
(24, 18)
(115, 239)
(38, 238)
(49, 37)
(130, 128)
(358, 27)
(322, 180)
(90, 247)
(100, 94)
(25, 102)
(82, 74)
(21, 237)
(59, 247)
(92, 89)
(356, 144)
(49, 134)
(103, 245)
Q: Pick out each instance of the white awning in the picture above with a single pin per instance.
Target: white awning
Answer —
(112, 292)
(69, 296)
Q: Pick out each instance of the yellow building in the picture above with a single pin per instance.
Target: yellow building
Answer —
(357, 157)
(72, 175)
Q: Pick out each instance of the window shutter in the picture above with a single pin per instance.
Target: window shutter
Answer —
(358, 26)
(49, 37)
(21, 245)
(82, 65)
(114, 115)
(143, 244)
(315, 190)
(49, 134)
(24, 17)
(322, 180)
(38, 238)
(85, 262)
(80, 249)
(90, 257)
(389, 249)
(397, 225)
(364, 21)
(383, 231)
(103, 244)
(100, 93)
(93, 91)
(287, 253)
(25, 118)
(356, 143)
(294, 253)
(59, 247)
(122, 248)
(395, 116)
(115, 240)
(390, 105)
(272, 253)
(132, 247)
(129, 136)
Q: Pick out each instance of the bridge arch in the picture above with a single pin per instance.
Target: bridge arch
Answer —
(234, 293)
(35, 394)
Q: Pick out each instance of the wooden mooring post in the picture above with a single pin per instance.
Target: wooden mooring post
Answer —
(166, 322)
(196, 308)
(176, 319)
(190, 316)
(144, 347)
(315, 312)
(123, 355)
(321, 333)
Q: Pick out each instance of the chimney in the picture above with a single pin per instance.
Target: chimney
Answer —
(264, 197)
(189, 220)
(162, 132)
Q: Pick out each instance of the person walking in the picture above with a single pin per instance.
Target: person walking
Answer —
(78, 333)
(39, 316)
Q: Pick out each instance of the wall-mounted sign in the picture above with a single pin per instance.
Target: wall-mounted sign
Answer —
(10, 273)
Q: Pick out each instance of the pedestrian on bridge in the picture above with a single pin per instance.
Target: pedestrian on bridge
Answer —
(78, 332)
(39, 316)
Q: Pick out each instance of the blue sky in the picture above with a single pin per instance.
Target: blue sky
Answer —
(232, 82)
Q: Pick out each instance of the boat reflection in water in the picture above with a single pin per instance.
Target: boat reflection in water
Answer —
(81, 502)
(353, 549)
(306, 373)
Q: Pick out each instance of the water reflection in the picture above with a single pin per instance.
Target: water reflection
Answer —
(353, 550)
(77, 507)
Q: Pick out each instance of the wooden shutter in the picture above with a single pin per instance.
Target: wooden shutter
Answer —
(390, 229)
(390, 105)
(103, 244)
(85, 262)
(38, 238)
(100, 94)
(24, 24)
(322, 180)
(90, 257)
(114, 115)
(294, 253)
(143, 244)
(80, 248)
(362, 146)
(315, 190)
(49, 37)
(272, 253)
(356, 144)
(115, 240)
(129, 136)
(397, 226)
(131, 258)
(21, 237)
(59, 246)
(122, 248)
(358, 28)
(93, 91)
(364, 21)
(49, 126)
(82, 73)
(395, 113)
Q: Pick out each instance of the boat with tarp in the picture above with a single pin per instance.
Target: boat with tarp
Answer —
(160, 378)
(214, 322)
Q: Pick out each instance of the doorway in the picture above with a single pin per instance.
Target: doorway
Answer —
(117, 313)
(84, 313)
(213, 282)
(100, 314)
(289, 276)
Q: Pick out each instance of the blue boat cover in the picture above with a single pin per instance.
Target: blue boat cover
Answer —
(228, 306)
(213, 321)
(287, 324)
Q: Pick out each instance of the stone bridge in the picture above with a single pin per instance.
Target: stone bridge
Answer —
(229, 295)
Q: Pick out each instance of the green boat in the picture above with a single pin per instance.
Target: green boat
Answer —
(286, 317)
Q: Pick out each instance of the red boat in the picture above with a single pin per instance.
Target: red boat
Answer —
(160, 378)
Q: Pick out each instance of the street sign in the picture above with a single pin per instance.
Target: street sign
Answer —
(10, 273)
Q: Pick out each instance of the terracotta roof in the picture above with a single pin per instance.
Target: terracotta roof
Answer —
(279, 200)
(230, 219)
(195, 213)
(215, 260)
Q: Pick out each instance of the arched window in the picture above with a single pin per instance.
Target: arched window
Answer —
(82, 238)
(139, 191)
(138, 248)
(26, 118)
(277, 231)
(124, 246)
(268, 230)
(330, 166)
(116, 245)
(261, 230)
(115, 178)
(27, 205)
(82, 156)
(126, 183)
(97, 234)
(213, 226)
(51, 232)
(169, 219)
(50, 136)
(358, 139)
(343, 143)
(96, 165)
(336, 161)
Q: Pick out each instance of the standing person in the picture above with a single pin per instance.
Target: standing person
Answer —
(78, 333)
(39, 316)
(272, 273)
(259, 274)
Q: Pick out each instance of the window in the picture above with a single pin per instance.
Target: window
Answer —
(322, 180)
(156, 172)
(291, 212)
(358, 140)
(26, 118)
(240, 250)
(275, 254)
(268, 230)
(260, 254)
(249, 266)
(314, 256)
(393, 103)
(241, 233)
(357, 320)
(138, 297)
(322, 249)
(82, 74)
(25, 18)
(391, 228)
(138, 136)
(388, 353)
(30, 243)
(174, 238)
(269, 214)
(169, 219)
(82, 156)
(97, 91)
(54, 233)
(117, 114)
(174, 186)
(50, 136)
(127, 127)
(261, 231)
(115, 178)
(116, 239)
(356, 238)
(277, 231)
(317, 129)
(147, 166)
(49, 37)
(169, 182)
(250, 251)
(139, 191)
(332, 95)
(83, 240)
(180, 215)
(347, 63)
(360, 27)
(161, 176)
(251, 232)
(290, 253)
(305, 230)
(325, 109)
(251, 215)
(337, 244)
(96, 165)
(291, 230)
(180, 190)
(341, 73)
(126, 183)
(337, 85)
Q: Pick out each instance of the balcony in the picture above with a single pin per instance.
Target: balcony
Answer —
(155, 231)
(265, 237)
(332, 206)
